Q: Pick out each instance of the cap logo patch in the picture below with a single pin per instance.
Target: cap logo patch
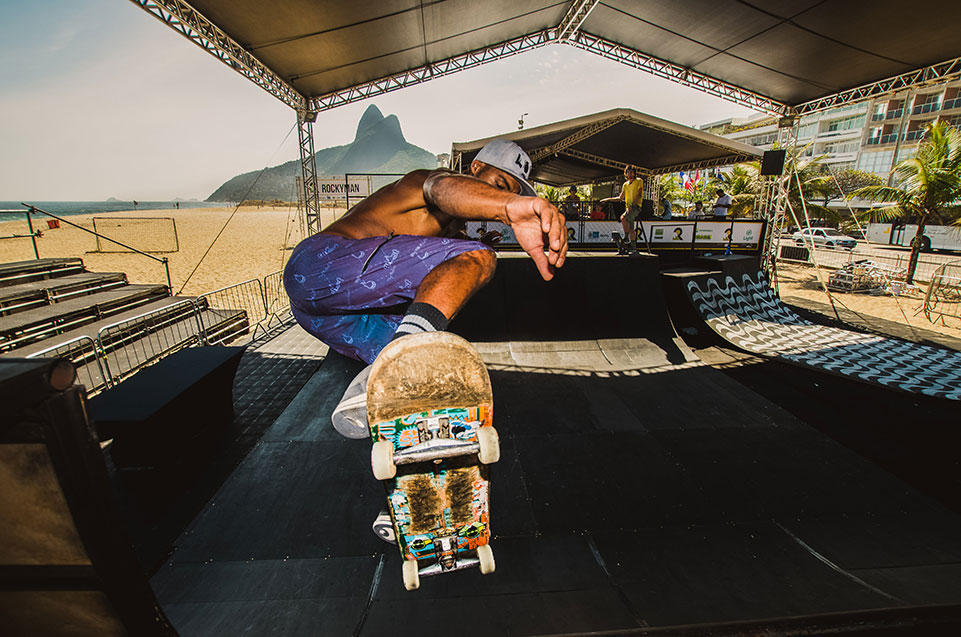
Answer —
(523, 165)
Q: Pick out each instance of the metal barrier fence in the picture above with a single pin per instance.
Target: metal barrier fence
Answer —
(275, 296)
(83, 353)
(943, 298)
(247, 296)
(123, 348)
(836, 258)
(129, 345)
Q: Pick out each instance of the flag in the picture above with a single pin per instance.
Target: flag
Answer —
(687, 182)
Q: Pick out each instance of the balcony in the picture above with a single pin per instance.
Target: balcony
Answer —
(893, 114)
(877, 117)
(930, 107)
(955, 103)
(914, 134)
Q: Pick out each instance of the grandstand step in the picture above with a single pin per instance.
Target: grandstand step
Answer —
(163, 329)
(23, 327)
(16, 272)
(25, 296)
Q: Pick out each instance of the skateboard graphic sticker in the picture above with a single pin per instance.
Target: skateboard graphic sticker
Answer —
(430, 410)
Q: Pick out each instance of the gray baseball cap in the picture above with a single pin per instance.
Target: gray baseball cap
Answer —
(511, 158)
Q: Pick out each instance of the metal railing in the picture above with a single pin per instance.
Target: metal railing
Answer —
(33, 235)
(122, 348)
(129, 345)
(163, 260)
(83, 353)
(929, 107)
(276, 301)
(836, 258)
(943, 298)
(246, 295)
(953, 103)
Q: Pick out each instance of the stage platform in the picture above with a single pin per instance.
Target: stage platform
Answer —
(639, 488)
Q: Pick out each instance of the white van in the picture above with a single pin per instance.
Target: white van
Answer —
(935, 237)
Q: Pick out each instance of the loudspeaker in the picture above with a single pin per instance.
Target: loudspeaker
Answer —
(773, 162)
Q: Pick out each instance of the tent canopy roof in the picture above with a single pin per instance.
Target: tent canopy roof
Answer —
(596, 147)
(791, 51)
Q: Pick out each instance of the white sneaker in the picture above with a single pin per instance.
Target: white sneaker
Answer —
(350, 414)
(384, 528)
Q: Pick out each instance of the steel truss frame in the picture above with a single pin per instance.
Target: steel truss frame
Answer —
(679, 74)
(308, 171)
(571, 23)
(538, 154)
(934, 73)
(184, 19)
(434, 70)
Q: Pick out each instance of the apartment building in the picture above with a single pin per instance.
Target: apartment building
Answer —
(872, 136)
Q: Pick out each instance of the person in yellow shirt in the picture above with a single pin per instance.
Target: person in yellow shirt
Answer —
(632, 192)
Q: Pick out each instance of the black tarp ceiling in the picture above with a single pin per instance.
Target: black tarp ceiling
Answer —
(791, 51)
(595, 147)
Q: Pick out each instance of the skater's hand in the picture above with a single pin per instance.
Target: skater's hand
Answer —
(538, 225)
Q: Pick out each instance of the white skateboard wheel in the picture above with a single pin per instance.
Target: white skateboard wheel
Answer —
(486, 556)
(490, 446)
(382, 460)
(411, 575)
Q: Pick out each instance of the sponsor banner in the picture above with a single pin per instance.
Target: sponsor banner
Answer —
(677, 232)
(662, 234)
(339, 188)
(747, 233)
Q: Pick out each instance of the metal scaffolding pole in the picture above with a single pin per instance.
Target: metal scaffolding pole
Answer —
(308, 170)
(774, 197)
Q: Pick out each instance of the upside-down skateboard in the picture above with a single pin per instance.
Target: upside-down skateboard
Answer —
(430, 409)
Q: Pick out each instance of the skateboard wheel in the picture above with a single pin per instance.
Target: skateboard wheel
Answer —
(490, 446)
(411, 575)
(486, 556)
(382, 460)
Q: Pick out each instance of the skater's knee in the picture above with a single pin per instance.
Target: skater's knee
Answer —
(483, 261)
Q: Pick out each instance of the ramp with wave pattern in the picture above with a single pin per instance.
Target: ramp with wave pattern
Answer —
(749, 315)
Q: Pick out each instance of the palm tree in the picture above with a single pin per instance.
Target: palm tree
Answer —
(925, 185)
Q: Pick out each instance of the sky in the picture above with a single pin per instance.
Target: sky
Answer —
(100, 99)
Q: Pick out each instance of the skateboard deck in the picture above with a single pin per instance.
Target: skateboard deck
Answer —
(430, 412)
(623, 244)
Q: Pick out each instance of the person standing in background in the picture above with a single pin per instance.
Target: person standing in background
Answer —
(722, 205)
(632, 192)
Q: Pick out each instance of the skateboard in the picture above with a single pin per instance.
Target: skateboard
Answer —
(430, 412)
(623, 245)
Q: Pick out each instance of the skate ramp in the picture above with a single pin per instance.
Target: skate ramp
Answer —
(745, 312)
(655, 493)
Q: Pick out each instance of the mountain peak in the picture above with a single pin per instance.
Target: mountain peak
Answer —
(372, 116)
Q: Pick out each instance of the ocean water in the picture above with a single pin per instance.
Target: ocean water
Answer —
(68, 208)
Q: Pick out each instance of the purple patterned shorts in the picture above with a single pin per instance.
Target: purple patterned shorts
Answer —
(353, 293)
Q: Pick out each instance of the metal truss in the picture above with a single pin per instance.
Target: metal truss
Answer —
(934, 73)
(716, 162)
(575, 17)
(308, 171)
(184, 19)
(578, 136)
(434, 70)
(594, 159)
(686, 77)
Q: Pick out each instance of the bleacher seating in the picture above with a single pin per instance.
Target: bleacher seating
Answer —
(56, 303)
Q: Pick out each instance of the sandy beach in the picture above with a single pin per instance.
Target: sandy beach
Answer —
(254, 243)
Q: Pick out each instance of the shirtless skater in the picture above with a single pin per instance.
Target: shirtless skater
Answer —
(392, 266)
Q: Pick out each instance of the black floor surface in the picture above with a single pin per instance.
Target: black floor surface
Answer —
(621, 501)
